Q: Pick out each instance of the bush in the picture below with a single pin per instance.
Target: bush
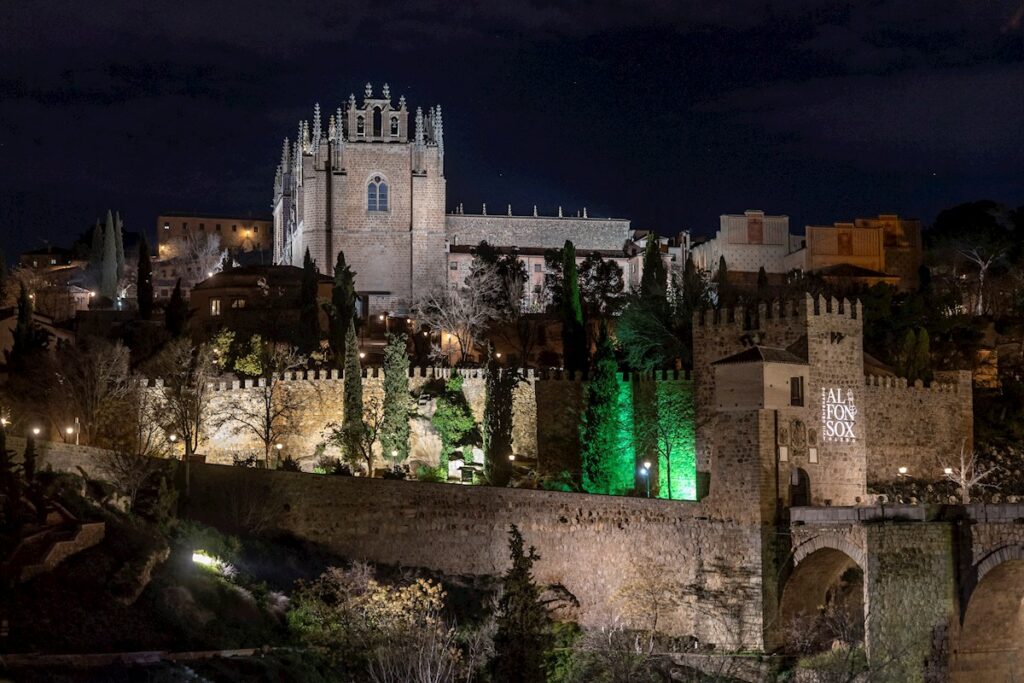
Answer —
(328, 465)
(397, 472)
(245, 461)
(289, 464)
(434, 474)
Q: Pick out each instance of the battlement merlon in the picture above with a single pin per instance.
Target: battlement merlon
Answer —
(788, 310)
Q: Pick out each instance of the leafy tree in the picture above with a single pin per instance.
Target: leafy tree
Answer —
(352, 415)
(394, 437)
(177, 311)
(692, 293)
(523, 621)
(452, 419)
(308, 332)
(342, 309)
(726, 295)
(599, 426)
(499, 384)
(144, 283)
(574, 335)
(506, 298)
(108, 275)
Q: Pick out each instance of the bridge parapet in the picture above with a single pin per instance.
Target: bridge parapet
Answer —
(862, 515)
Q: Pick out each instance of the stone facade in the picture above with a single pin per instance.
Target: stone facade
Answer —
(373, 186)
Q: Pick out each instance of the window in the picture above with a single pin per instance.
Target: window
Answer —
(378, 124)
(202, 226)
(184, 226)
(255, 228)
(394, 126)
(796, 391)
(167, 226)
(53, 262)
(538, 267)
(234, 228)
(360, 126)
(215, 307)
(377, 194)
(217, 227)
(454, 265)
(238, 302)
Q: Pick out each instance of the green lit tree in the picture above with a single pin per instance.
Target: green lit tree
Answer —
(307, 337)
(144, 284)
(524, 624)
(452, 419)
(177, 312)
(499, 384)
(394, 436)
(599, 426)
(342, 308)
(574, 334)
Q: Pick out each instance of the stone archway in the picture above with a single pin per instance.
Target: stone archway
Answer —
(823, 599)
(991, 643)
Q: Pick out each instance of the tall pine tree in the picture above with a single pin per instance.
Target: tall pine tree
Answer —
(499, 384)
(523, 621)
(352, 412)
(108, 274)
(308, 333)
(176, 312)
(342, 309)
(394, 434)
(599, 426)
(144, 281)
(654, 279)
(574, 334)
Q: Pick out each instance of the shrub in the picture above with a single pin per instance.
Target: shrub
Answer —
(434, 474)
(328, 465)
(289, 464)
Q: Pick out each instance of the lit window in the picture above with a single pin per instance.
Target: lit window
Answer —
(214, 307)
(238, 302)
(53, 262)
(167, 226)
(377, 195)
(394, 126)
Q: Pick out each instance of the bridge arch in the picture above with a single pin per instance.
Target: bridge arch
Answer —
(991, 642)
(823, 597)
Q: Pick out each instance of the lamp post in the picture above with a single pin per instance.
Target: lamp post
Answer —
(78, 430)
(645, 472)
(394, 459)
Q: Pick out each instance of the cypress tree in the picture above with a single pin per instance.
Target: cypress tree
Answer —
(523, 621)
(394, 436)
(119, 244)
(352, 413)
(108, 274)
(598, 426)
(308, 333)
(725, 297)
(24, 334)
(144, 284)
(343, 307)
(923, 356)
(905, 361)
(574, 335)
(497, 424)
(96, 250)
(654, 279)
(177, 312)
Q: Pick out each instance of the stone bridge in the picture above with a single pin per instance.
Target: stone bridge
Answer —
(938, 585)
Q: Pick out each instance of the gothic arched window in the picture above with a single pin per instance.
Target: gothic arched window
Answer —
(394, 126)
(377, 194)
(360, 126)
(378, 125)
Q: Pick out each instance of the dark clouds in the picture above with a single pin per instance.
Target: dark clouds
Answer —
(666, 112)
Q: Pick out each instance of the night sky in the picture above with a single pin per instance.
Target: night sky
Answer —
(669, 113)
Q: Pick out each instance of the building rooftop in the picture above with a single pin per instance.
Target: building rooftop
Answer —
(225, 216)
(247, 276)
(762, 354)
(849, 270)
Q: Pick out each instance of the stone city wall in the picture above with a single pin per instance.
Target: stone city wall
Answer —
(595, 546)
(918, 427)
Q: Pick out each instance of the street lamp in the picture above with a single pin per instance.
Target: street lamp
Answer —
(69, 431)
(645, 472)
(948, 471)
(35, 431)
(394, 458)
(362, 355)
(512, 457)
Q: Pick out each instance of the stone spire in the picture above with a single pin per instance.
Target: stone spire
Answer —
(316, 126)
(484, 212)
(305, 137)
(560, 212)
(387, 92)
(401, 102)
(585, 212)
(534, 210)
(368, 92)
(438, 128)
(352, 100)
(419, 125)
(339, 126)
(509, 209)
(332, 131)
(284, 156)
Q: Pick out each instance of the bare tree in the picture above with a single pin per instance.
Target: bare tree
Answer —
(360, 437)
(128, 472)
(93, 376)
(187, 372)
(984, 257)
(461, 311)
(276, 407)
(198, 253)
(968, 475)
(653, 591)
